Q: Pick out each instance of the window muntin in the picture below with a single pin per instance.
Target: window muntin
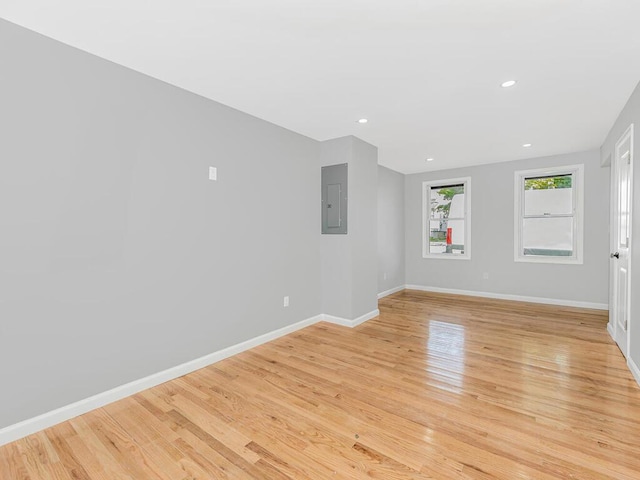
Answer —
(446, 218)
(549, 215)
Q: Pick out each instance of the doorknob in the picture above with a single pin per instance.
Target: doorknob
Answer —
(615, 255)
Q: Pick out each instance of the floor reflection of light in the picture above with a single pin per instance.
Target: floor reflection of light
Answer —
(562, 361)
(445, 350)
(543, 366)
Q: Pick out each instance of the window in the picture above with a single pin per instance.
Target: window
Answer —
(548, 215)
(446, 228)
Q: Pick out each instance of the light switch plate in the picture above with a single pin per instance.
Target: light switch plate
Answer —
(213, 173)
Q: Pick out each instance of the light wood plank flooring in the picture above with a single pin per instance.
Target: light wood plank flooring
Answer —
(437, 386)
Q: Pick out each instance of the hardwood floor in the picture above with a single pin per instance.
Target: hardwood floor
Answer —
(438, 386)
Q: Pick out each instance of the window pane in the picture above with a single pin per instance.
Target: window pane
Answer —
(446, 236)
(624, 222)
(447, 201)
(548, 236)
(445, 210)
(548, 195)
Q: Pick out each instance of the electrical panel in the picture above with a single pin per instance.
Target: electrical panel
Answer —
(334, 199)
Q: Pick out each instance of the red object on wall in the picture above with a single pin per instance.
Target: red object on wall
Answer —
(449, 235)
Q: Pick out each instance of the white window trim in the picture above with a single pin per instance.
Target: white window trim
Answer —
(467, 219)
(578, 214)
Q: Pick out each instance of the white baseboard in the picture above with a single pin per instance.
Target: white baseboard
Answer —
(517, 298)
(49, 419)
(610, 330)
(635, 371)
(351, 323)
(386, 293)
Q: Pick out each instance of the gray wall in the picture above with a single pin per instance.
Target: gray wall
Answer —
(118, 257)
(390, 229)
(492, 236)
(631, 114)
(349, 262)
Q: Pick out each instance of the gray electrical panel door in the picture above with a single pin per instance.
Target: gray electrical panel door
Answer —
(334, 199)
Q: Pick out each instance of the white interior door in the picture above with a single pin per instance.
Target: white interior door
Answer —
(622, 202)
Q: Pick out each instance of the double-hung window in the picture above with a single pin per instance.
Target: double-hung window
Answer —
(446, 227)
(549, 207)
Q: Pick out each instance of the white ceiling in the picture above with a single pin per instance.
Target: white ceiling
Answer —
(426, 73)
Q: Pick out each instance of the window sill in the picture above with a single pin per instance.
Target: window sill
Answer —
(446, 257)
(550, 260)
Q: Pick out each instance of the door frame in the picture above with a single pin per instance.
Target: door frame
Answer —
(612, 326)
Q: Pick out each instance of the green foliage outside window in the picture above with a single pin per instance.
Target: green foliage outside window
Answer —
(546, 183)
(447, 193)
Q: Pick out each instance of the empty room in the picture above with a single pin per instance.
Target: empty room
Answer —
(300, 240)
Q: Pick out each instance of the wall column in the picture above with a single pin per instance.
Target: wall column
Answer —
(349, 262)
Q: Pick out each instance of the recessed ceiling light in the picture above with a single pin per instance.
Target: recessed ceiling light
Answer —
(508, 83)
(429, 159)
(363, 120)
(526, 145)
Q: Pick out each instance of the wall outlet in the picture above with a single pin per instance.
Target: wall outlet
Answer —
(285, 301)
(485, 276)
(213, 173)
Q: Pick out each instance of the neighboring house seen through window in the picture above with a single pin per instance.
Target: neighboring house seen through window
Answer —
(548, 215)
(446, 218)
